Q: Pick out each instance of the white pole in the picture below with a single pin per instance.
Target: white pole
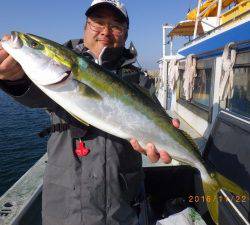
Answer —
(164, 41)
(164, 38)
(164, 81)
(164, 75)
(197, 19)
(171, 46)
(219, 12)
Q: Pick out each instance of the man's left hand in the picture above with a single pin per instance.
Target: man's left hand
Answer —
(151, 152)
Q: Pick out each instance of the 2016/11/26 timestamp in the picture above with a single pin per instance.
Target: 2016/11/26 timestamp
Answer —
(221, 198)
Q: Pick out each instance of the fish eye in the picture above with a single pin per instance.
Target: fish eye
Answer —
(36, 45)
(33, 44)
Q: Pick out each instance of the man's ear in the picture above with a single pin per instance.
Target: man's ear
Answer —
(126, 35)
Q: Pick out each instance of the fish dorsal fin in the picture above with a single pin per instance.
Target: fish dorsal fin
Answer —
(137, 87)
(190, 139)
(147, 93)
(158, 106)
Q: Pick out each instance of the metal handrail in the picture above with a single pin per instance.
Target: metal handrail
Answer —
(199, 15)
(209, 7)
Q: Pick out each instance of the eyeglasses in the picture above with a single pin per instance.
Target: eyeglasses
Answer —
(98, 25)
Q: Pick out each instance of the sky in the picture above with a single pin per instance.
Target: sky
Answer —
(63, 20)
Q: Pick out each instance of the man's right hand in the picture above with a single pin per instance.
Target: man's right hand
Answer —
(10, 69)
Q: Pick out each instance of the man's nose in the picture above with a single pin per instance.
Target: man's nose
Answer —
(106, 30)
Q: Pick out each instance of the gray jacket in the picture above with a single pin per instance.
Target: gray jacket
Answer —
(103, 186)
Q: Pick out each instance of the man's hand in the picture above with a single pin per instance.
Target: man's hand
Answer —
(9, 68)
(151, 152)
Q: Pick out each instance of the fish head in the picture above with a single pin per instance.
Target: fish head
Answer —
(45, 62)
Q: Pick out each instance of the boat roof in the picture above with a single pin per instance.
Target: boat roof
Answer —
(186, 28)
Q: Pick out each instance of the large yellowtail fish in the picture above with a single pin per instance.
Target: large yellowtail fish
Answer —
(100, 98)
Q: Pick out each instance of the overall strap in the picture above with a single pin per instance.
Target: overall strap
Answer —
(59, 127)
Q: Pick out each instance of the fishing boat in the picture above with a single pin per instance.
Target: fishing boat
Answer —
(206, 84)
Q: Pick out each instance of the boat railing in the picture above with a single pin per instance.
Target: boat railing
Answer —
(199, 14)
(221, 17)
(239, 9)
(216, 28)
(208, 8)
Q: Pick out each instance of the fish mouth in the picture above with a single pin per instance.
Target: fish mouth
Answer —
(16, 42)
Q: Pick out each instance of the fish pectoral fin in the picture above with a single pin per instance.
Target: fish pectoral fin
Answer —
(87, 91)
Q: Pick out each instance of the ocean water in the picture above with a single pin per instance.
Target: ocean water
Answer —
(20, 147)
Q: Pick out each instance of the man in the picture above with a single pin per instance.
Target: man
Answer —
(92, 177)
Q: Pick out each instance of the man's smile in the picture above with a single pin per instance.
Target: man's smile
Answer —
(105, 41)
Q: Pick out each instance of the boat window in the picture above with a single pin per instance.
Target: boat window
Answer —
(200, 104)
(202, 85)
(181, 94)
(239, 102)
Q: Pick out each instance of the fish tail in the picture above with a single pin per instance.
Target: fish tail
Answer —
(211, 188)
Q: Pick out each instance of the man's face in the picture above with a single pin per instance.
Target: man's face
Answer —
(104, 29)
